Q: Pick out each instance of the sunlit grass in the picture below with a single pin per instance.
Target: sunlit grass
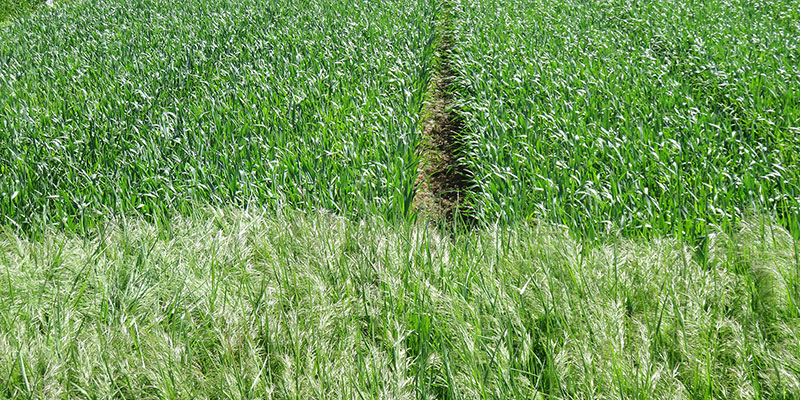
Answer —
(154, 107)
(234, 304)
(164, 167)
(640, 117)
(9, 8)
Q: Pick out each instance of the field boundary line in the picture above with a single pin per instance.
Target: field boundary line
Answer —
(443, 180)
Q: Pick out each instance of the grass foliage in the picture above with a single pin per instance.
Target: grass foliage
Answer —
(253, 305)
(158, 106)
(9, 8)
(136, 137)
(632, 116)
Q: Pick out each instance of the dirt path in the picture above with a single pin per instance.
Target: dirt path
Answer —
(442, 181)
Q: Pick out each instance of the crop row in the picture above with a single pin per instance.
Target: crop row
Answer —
(109, 106)
(633, 117)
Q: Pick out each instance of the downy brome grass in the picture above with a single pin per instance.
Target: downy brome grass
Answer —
(250, 305)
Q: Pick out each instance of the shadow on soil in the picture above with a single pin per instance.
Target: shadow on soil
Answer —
(443, 181)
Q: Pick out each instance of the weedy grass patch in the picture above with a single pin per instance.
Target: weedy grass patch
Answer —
(233, 304)
(634, 117)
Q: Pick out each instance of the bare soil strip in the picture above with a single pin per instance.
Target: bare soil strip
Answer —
(442, 181)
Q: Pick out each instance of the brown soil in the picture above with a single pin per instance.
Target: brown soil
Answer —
(442, 181)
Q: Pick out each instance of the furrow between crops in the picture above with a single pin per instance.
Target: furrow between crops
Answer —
(443, 181)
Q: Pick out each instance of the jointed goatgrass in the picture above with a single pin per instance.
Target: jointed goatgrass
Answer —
(234, 304)
(110, 107)
(641, 117)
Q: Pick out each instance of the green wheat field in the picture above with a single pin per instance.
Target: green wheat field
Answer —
(218, 200)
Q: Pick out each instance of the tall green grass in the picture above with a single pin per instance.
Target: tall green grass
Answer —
(628, 116)
(593, 114)
(250, 305)
(9, 8)
(155, 107)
